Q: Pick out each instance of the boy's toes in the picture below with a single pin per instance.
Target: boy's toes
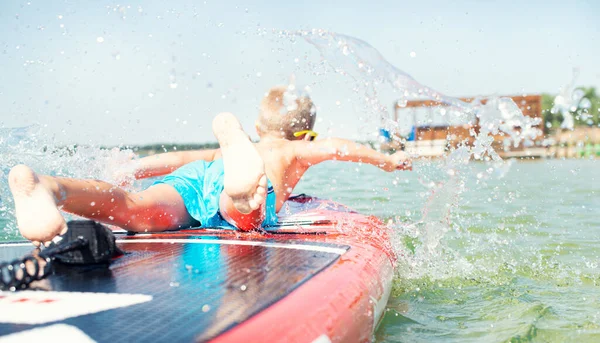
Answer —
(36, 244)
(253, 205)
(259, 198)
(256, 201)
(262, 182)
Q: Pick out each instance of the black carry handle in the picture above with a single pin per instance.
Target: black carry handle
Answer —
(86, 242)
(100, 248)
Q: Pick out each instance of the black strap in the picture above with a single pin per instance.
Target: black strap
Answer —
(86, 242)
(101, 246)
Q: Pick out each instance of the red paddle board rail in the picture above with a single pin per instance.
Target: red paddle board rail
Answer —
(342, 303)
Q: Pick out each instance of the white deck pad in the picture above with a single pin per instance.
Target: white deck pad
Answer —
(59, 332)
(31, 307)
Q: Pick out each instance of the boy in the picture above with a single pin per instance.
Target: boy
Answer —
(242, 184)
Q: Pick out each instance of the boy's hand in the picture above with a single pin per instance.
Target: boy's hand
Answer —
(398, 161)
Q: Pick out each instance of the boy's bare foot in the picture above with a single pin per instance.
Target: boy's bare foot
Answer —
(38, 217)
(245, 180)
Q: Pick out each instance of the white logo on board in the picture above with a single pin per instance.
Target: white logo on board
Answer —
(59, 332)
(31, 307)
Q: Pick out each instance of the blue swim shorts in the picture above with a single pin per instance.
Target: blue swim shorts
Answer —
(200, 184)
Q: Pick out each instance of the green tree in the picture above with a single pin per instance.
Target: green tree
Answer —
(551, 120)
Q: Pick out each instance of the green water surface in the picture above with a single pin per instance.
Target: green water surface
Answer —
(517, 253)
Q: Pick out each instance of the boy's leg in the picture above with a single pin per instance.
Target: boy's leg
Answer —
(38, 198)
(245, 182)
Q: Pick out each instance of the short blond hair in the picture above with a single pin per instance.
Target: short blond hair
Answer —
(281, 110)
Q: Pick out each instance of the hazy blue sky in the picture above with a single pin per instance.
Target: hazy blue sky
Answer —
(131, 72)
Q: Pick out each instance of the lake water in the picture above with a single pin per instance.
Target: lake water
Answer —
(513, 257)
(495, 253)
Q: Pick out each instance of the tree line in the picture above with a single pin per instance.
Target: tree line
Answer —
(165, 147)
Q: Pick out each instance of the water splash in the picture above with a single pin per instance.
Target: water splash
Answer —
(568, 101)
(369, 70)
(31, 146)
(429, 256)
(369, 73)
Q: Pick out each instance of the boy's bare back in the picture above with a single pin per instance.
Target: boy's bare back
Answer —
(287, 161)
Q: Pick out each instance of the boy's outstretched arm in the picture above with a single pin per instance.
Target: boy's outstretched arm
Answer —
(311, 153)
(165, 163)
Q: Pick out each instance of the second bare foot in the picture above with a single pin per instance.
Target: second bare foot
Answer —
(38, 217)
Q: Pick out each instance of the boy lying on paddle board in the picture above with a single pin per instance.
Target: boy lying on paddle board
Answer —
(242, 184)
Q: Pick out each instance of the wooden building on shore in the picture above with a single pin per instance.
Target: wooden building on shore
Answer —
(435, 139)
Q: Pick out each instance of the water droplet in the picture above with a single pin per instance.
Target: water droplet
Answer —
(413, 54)
(92, 204)
(585, 104)
(205, 308)
(243, 287)
(174, 284)
(100, 39)
(577, 95)
(150, 95)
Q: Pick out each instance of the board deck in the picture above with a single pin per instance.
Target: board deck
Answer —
(318, 269)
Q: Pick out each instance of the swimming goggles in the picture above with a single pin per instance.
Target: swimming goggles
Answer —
(310, 133)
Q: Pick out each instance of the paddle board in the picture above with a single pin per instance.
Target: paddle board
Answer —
(323, 274)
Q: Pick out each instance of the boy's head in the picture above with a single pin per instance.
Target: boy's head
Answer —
(284, 113)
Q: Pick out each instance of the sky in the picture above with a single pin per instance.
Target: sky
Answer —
(141, 72)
